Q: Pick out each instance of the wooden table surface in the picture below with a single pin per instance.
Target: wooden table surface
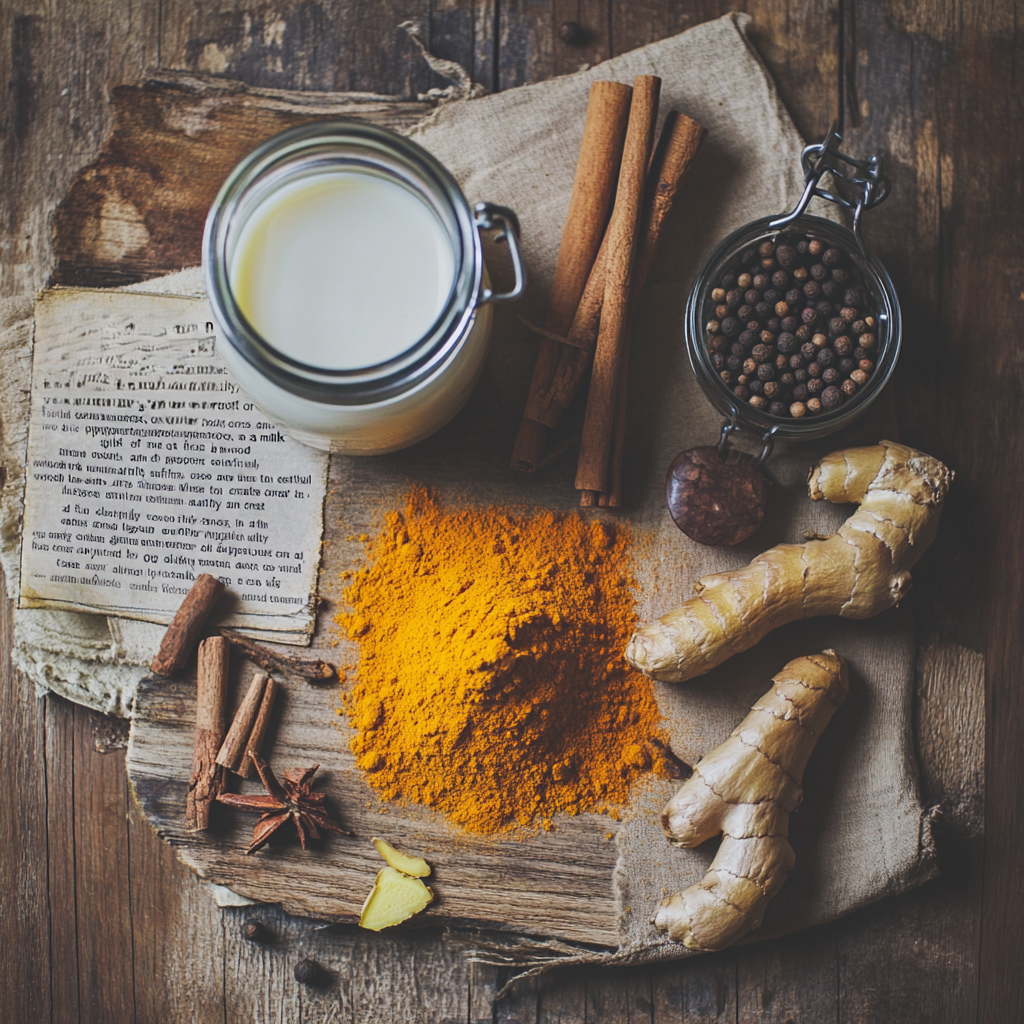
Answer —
(99, 922)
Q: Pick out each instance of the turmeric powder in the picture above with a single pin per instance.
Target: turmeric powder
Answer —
(491, 683)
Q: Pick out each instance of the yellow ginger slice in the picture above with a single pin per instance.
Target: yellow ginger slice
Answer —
(858, 572)
(415, 866)
(394, 898)
(744, 790)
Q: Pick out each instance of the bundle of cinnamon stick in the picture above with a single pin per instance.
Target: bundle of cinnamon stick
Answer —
(621, 196)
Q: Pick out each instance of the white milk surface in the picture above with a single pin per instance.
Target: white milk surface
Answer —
(343, 270)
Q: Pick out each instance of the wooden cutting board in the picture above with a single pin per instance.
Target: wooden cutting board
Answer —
(139, 212)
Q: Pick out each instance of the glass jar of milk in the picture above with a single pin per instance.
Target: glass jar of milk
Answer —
(345, 271)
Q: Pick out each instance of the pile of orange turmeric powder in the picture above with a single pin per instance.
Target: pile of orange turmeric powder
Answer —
(491, 684)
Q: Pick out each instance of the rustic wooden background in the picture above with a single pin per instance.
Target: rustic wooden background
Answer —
(99, 922)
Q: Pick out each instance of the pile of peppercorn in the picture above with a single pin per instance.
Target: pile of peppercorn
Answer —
(792, 333)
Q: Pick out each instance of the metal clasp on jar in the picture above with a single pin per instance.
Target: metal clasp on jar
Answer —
(490, 217)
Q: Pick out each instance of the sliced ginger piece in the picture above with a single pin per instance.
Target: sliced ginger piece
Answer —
(394, 898)
(415, 866)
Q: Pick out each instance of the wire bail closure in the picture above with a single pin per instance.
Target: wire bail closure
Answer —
(863, 180)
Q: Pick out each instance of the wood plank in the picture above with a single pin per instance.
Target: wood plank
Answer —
(139, 210)
(26, 965)
(698, 991)
(102, 907)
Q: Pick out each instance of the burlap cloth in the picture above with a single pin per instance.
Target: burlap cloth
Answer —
(861, 833)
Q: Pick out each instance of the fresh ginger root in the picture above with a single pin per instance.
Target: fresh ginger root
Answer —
(398, 892)
(856, 573)
(746, 790)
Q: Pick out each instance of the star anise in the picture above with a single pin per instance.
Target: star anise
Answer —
(294, 799)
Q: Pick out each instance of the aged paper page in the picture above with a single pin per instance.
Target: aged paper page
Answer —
(147, 466)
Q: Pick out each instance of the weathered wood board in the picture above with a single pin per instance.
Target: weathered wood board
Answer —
(557, 883)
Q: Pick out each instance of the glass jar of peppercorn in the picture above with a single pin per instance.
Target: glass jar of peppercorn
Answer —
(792, 330)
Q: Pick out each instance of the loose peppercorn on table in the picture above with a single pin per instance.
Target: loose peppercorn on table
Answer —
(108, 925)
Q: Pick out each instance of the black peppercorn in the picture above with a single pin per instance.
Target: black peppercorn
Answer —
(730, 326)
(848, 388)
(758, 402)
(787, 380)
(718, 360)
(767, 338)
(849, 314)
(571, 33)
(818, 272)
(733, 297)
(831, 397)
(722, 311)
(803, 333)
(726, 376)
(780, 279)
(845, 366)
(866, 365)
(840, 276)
(867, 341)
(858, 354)
(812, 289)
(775, 324)
(859, 377)
(743, 379)
(837, 325)
(741, 392)
(755, 386)
(771, 296)
(830, 375)
(765, 372)
(801, 246)
(761, 309)
(853, 297)
(808, 350)
(747, 338)
(753, 325)
(843, 345)
(826, 357)
(786, 255)
(254, 930)
(809, 315)
(813, 370)
(824, 308)
(786, 342)
(760, 281)
(797, 361)
(815, 246)
(813, 405)
(781, 361)
(830, 289)
(800, 393)
(736, 349)
(751, 295)
(759, 353)
(730, 281)
(858, 327)
(747, 255)
(733, 362)
(800, 375)
(800, 274)
(815, 386)
(770, 389)
(789, 323)
(766, 248)
(744, 313)
(309, 972)
(777, 409)
(719, 343)
(830, 257)
(793, 296)
(750, 366)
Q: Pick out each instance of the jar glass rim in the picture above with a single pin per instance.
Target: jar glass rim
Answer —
(742, 413)
(356, 145)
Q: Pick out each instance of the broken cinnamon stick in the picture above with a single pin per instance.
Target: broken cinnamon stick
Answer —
(207, 778)
(623, 234)
(183, 633)
(593, 188)
(680, 138)
(313, 669)
(233, 748)
(259, 730)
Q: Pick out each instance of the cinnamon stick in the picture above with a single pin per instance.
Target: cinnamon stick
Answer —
(183, 633)
(676, 148)
(593, 189)
(623, 232)
(259, 730)
(207, 778)
(680, 138)
(313, 669)
(233, 748)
